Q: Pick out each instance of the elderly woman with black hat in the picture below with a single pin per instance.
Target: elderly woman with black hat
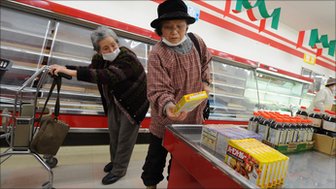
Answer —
(174, 69)
(121, 81)
(325, 97)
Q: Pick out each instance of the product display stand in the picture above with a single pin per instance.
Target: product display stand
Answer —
(194, 167)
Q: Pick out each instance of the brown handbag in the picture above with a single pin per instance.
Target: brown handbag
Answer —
(52, 132)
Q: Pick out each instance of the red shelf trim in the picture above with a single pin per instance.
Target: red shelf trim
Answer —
(276, 70)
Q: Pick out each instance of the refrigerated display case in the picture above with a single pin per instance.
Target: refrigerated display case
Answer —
(230, 97)
(30, 41)
(280, 90)
(32, 37)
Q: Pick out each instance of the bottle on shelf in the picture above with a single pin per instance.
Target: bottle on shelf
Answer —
(275, 131)
(310, 130)
(296, 130)
(263, 125)
(329, 121)
(302, 127)
(302, 112)
(290, 130)
(253, 122)
(315, 117)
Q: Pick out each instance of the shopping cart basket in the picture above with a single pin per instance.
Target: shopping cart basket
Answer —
(18, 126)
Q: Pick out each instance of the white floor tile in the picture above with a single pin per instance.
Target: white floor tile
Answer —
(78, 167)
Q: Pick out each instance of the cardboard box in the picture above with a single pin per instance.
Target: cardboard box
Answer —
(325, 144)
(291, 147)
(190, 101)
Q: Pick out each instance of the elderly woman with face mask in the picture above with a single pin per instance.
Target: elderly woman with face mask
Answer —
(174, 69)
(121, 81)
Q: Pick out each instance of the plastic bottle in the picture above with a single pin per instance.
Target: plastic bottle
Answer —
(315, 117)
(301, 130)
(263, 125)
(253, 122)
(302, 112)
(295, 125)
(329, 121)
(290, 130)
(275, 131)
(310, 129)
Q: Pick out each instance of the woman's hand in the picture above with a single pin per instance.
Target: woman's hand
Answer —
(55, 69)
(206, 87)
(170, 111)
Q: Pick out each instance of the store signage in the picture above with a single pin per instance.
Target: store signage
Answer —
(194, 11)
(312, 39)
(255, 12)
(310, 59)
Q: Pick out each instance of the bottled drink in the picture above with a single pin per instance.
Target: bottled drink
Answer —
(302, 112)
(263, 125)
(253, 122)
(302, 127)
(329, 121)
(295, 128)
(310, 130)
(315, 117)
(275, 131)
(290, 130)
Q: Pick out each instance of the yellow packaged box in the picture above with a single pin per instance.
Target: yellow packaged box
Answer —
(190, 101)
(259, 163)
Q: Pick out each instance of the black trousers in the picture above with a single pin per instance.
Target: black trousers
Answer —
(155, 162)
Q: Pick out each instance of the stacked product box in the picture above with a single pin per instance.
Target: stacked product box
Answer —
(257, 162)
(216, 137)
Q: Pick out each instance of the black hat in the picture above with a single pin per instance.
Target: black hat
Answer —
(170, 10)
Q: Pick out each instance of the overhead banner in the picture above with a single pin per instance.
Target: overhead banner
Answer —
(255, 12)
(311, 38)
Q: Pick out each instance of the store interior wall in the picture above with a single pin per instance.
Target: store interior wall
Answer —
(141, 13)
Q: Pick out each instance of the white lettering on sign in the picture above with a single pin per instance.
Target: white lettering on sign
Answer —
(236, 153)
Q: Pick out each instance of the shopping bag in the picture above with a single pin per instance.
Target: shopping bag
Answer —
(52, 132)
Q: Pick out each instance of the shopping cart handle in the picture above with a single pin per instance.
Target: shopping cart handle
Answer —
(66, 76)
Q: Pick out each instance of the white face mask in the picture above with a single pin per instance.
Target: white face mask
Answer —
(173, 44)
(111, 56)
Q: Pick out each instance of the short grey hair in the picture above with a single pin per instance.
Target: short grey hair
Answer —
(99, 34)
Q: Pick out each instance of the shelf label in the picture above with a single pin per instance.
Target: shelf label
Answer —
(310, 59)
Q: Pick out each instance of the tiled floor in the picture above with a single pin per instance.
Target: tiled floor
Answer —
(78, 167)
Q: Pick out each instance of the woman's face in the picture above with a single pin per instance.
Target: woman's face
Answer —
(107, 45)
(174, 30)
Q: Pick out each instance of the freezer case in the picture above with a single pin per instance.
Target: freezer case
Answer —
(195, 166)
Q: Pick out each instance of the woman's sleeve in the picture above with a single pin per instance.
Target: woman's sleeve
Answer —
(110, 75)
(159, 84)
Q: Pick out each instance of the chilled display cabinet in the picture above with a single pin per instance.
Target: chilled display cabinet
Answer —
(32, 38)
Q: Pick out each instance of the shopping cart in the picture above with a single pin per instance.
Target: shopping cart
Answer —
(18, 125)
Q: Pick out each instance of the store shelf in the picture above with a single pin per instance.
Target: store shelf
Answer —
(273, 93)
(229, 76)
(227, 85)
(228, 108)
(13, 31)
(227, 95)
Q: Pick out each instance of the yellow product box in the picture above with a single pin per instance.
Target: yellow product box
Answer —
(190, 101)
(259, 163)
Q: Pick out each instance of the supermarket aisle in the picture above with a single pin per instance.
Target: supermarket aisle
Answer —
(78, 167)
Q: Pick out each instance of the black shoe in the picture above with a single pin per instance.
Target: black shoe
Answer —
(108, 167)
(110, 179)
